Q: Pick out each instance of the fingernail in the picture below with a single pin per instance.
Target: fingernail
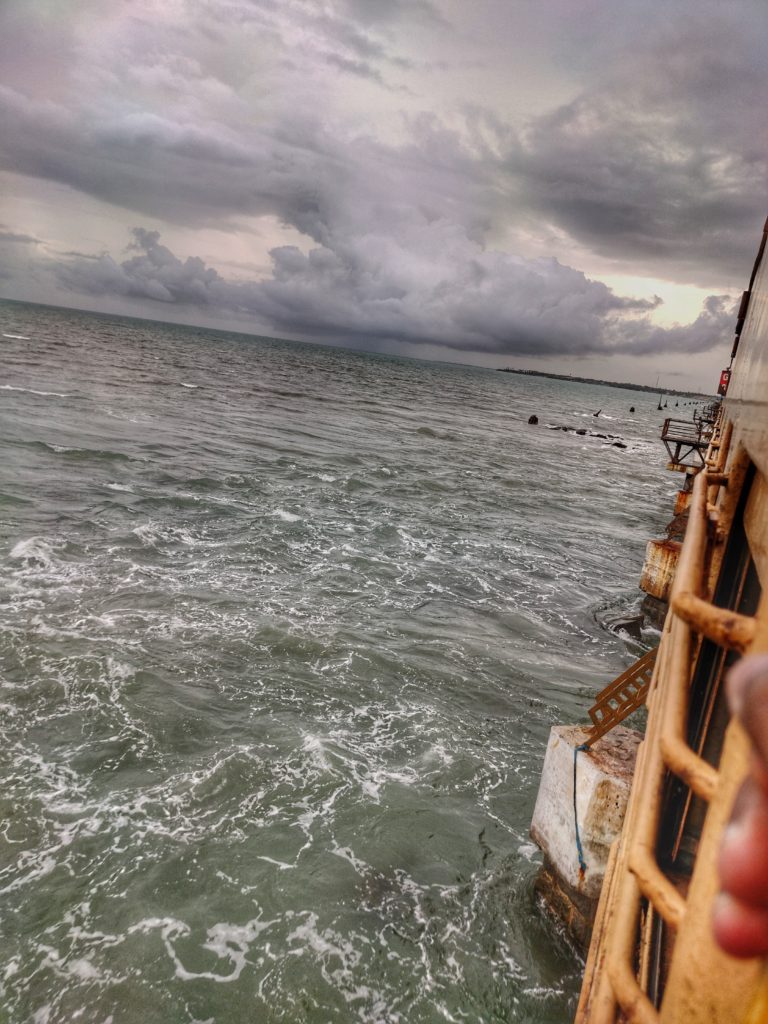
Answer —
(743, 675)
(735, 686)
(722, 905)
(734, 834)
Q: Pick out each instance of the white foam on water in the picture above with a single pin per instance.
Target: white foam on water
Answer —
(153, 534)
(373, 784)
(83, 969)
(32, 391)
(36, 549)
(189, 385)
(120, 487)
(12, 967)
(340, 962)
(345, 853)
(41, 866)
(222, 937)
(438, 752)
(313, 746)
(147, 533)
(541, 992)
(226, 941)
(326, 943)
(287, 517)
(513, 968)
(281, 864)
(16, 337)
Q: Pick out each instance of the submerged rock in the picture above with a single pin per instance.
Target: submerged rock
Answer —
(582, 431)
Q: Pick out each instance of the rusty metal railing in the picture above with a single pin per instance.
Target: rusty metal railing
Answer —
(635, 873)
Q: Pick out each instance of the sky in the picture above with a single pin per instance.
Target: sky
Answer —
(577, 186)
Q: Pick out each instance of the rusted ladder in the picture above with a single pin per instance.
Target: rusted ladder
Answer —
(620, 698)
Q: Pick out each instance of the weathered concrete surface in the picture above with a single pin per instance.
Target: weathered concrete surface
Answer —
(659, 568)
(575, 911)
(604, 777)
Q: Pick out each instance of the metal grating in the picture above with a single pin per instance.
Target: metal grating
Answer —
(620, 698)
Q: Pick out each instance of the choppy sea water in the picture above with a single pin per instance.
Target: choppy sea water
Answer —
(283, 629)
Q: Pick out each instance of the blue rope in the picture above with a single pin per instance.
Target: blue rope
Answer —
(580, 849)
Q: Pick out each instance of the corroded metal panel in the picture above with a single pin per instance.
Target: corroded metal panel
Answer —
(747, 401)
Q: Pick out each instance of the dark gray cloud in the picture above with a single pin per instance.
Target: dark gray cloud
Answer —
(486, 302)
(665, 160)
(417, 219)
(154, 273)
(661, 162)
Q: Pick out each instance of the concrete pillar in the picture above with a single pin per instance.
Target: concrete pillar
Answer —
(659, 568)
(604, 777)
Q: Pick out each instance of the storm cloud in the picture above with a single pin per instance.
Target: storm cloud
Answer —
(410, 211)
(467, 300)
(664, 160)
(663, 150)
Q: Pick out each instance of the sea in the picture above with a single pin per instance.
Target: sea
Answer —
(283, 631)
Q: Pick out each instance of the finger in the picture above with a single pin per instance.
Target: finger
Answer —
(744, 850)
(744, 674)
(747, 691)
(739, 929)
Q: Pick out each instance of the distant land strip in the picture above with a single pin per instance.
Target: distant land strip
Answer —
(608, 383)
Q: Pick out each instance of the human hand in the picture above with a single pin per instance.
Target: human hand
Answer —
(740, 917)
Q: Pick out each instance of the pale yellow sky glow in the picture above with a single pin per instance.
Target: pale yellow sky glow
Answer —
(681, 302)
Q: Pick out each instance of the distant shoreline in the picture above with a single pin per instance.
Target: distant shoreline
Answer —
(254, 335)
(608, 383)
